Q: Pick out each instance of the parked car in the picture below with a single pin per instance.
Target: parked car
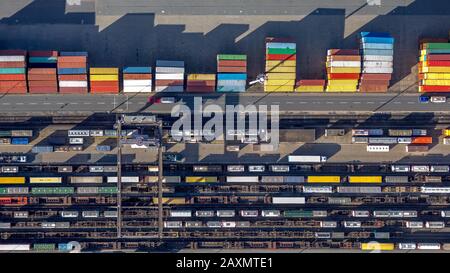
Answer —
(438, 99)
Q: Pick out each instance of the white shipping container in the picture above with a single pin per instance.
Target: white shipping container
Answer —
(77, 133)
(170, 76)
(242, 179)
(125, 179)
(378, 58)
(137, 83)
(73, 84)
(344, 64)
(12, 58)
(169, 69)
(14, 247)
(368, 64)
(231, 82)
(378, 148)
(376, 70)
(288, 200)
(137, 89)
(172, 88)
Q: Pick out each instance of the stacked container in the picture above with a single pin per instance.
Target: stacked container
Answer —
(281, 57)
(343, 70)
(169, 76)
(12, 71)
(42, 77)
(72, 72)
(434, 67)
(231, 72)
(104, 80)
(137, 79)
(201, 83)
(310, 86)
(377, 50)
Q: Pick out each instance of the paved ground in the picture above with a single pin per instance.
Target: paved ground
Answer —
(288, 103)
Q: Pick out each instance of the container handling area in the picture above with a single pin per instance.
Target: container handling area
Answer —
(90, 158)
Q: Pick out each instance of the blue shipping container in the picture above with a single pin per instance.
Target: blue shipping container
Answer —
(71, 71)
(12, 70)
(232, 76)
(379, 40)
(42, 149)
(377, 46)
(19, 141)
(43, 59)
(170, 63)
(131, 70)
(73, 53)
(281, 45)
(103, 148)
(382, 52)
(375, 34)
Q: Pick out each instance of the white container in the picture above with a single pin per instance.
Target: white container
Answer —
(288, 200)
(344, 64)
(378, 70)
(170, 76)
(242, 179)
(73, 84)
(378, 148)
(76, 140)
(170, 70)
(307, 158)
(368, 64)
(378, 58)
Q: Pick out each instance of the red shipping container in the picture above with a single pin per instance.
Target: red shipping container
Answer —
(232, 63)
(343, 52)
(337, 58)
(72, 59)
(13, 84)
(422, 140)
(230, 69)
(12, 77)
(105, 89)
(42, 83)
(435, 88)
(373, 88)
(104, 83)
(13, 90)
(386, 77)
(13, 52)
(311, 83)
(71, 65)
(202, 89)
(201, 83)
(73, 90)
(42, 53)
(438, 57)
(81, 77)
(432, 40)
(343, 76)
(281, 57)
(42, 77)
(374, 82)
(279, 40)
(41, 71)
(12, 64)
(438, 63)
(168, 82)
(43, 90)
(137, 76)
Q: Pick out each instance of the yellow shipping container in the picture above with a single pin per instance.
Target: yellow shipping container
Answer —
(377, 246)
(201, 179)
(278, 88)
(280, 63)
(309, 88)
(336, 88)
(343, 82)
(104, 70)
(281, 76)
(324, 179)
(436, 76)
(170, 200)
(12, 180)
(45, 180)
(364, 179)
(435, 69)
(436, 82)
(104, 77)
(345, 69)
(202, 77)
(280, 82)
(280, 69)
(446, 132)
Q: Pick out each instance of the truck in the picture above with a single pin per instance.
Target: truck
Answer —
(307, 158)
(334, 132)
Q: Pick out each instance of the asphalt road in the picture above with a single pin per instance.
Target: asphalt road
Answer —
(288, 103)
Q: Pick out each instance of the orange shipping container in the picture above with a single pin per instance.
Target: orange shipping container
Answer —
(14, 90)
(71, 65)
(72, 59)
(72, 77)
(12, 77)
(13, 84)
(105, 89)
(42, 71)
(41, 77)
(137, 76)
(103, 83)
(12, 64)
(232, 63)
(42, 83)
(422, 140)
(231, 69)
(73, 90)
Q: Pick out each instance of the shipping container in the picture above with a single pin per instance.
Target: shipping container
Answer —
(324, 179)
(364, 179)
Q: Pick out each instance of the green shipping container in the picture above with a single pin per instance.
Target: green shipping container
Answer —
(56, 190)
(43, 60)
(5, 133)
(231, 57)
(437, 46)
(281, 51)
(438, 51)
(107, 190)
(44, 247)
(298, 213)
(12, 70)
(3, 191)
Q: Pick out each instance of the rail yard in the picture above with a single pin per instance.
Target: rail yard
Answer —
(90, 160)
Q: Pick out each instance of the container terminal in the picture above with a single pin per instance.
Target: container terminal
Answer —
(88, 160)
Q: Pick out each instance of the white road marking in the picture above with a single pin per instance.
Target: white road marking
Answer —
(343, 102)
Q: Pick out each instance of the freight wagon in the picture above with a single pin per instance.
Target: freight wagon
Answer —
(242, 179)
(396, 179)
(317, 189)
(78, 133)
(307, 158)
(377, 246)
(9, 169)
(181, 213)
(364, 179)
(288, 200)
(12, 180)
(45, 180)
(85, 179)
(324, 179)
(124, 179)
(201, 179)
